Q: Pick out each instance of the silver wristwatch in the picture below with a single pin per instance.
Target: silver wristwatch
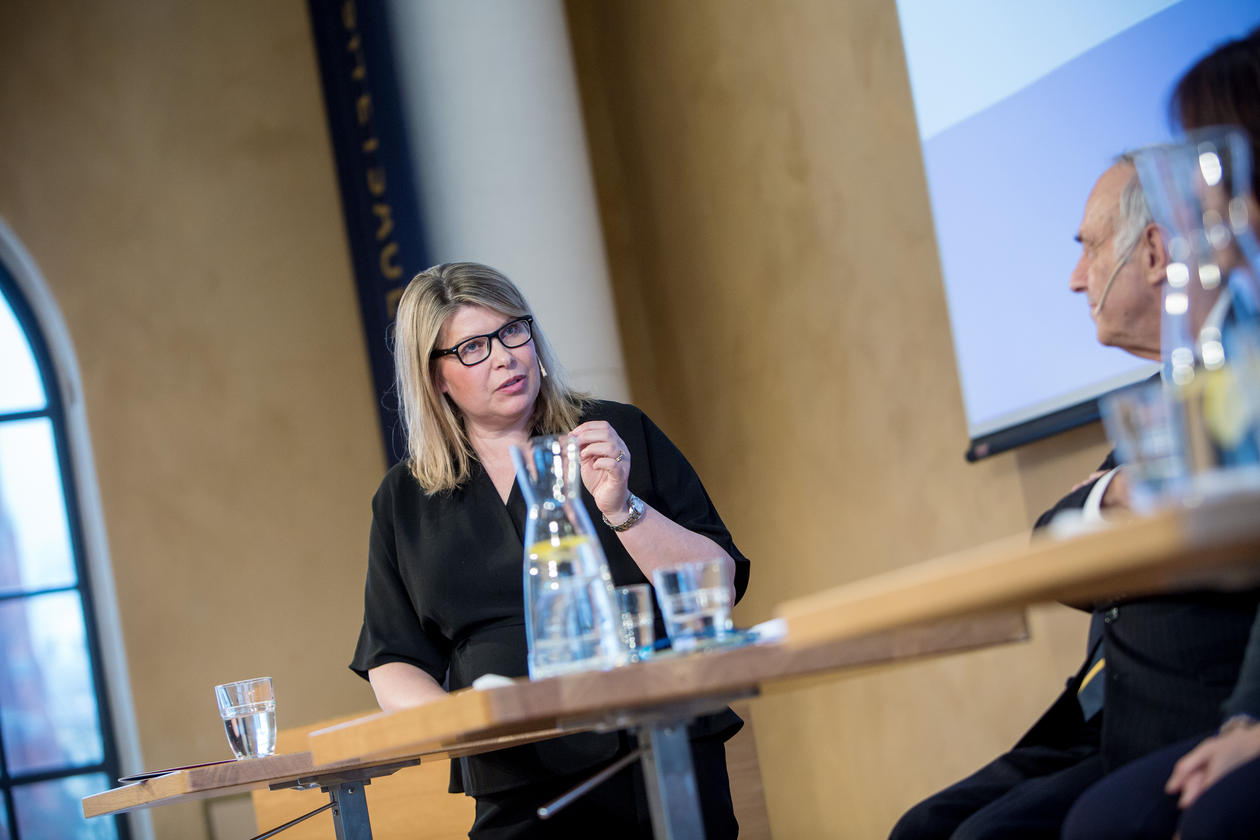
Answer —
(635, 505)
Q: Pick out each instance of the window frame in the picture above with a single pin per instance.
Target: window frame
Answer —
(38, 317)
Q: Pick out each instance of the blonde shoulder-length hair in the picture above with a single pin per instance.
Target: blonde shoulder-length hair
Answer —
(439, 454)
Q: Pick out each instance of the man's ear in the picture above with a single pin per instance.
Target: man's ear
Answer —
(1154, 254)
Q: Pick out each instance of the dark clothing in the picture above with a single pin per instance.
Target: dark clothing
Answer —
(1130, 803)
(445, 590)
(1076, 499)
(1245, 699)
(1023, 793)
(1170, 663)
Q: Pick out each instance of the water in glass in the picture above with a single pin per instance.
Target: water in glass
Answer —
(699, 614)
(251, 730)
(695, 601)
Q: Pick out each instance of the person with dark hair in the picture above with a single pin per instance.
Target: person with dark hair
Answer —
(1155, 668)
(1223, 88)
(444, 598)
(1202, 788)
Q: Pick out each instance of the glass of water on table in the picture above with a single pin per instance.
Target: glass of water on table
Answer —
(634, 602)
(248, 709)
(695, 601)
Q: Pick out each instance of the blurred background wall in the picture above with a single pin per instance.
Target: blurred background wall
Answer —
(778, 296)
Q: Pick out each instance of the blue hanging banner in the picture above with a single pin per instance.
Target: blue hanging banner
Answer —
(378, 192)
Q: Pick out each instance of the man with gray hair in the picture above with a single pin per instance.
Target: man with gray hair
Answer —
(1156, 669)
(1121, 243)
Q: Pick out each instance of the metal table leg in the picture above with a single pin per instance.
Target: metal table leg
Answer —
(665, 753)
(346, 798)
(670, 781)
(350, 811)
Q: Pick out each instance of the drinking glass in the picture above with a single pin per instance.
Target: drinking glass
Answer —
(1142, 423)
(695, 601)
(1199, 192)
(248, 709)
(637, 628)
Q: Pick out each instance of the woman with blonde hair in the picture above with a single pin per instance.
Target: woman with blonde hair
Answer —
(444, 600)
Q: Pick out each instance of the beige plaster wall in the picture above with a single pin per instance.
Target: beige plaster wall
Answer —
(168, 167)
(784, 319)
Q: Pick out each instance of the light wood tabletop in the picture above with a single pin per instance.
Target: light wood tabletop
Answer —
(599, 696)
(283, 770)
(199, 783)
(1214, 545)
(473, 721)
(957, 602)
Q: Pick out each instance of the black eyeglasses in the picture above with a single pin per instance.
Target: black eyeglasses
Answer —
(475, 350)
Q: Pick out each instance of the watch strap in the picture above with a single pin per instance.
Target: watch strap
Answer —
(636, 508)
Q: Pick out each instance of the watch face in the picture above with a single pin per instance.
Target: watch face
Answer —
(635, 507)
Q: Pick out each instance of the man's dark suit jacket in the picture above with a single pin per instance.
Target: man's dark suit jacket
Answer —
(1171, 661)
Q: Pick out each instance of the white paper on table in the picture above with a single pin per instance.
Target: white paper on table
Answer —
(773, 630)
(488, 681)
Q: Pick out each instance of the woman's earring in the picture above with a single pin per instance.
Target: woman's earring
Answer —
(542, 368)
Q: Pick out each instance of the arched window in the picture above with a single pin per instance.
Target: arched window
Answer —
(57, 740)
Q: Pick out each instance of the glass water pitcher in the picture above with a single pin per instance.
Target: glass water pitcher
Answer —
(1199, 191)
(571, 621)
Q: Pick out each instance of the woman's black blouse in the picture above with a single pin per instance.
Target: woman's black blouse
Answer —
(445, 589)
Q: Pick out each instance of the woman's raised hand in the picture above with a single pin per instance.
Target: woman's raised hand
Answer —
(605, 464)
